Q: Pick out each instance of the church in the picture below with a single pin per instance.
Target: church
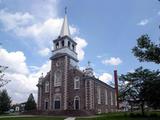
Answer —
(67, 88)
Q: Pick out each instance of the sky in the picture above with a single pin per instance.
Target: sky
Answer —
(105, 32)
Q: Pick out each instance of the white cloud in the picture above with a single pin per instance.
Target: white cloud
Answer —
(106, 77)
(28, 26)
(12, 21)
(131, 71)
(112, 61)
(81, 44)
(14, 60)
(43, 32)
(44, 52)
(45, 8)
(143, 22)
(21, 84)
(99, 56)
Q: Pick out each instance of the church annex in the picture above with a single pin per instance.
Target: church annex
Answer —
(67, 88)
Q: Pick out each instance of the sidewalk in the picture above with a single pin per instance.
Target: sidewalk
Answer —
(17, 116)
(70, 118)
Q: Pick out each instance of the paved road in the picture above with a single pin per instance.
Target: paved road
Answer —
(17, 116)
(70, 118)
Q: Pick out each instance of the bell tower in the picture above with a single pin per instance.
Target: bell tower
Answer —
(64, 44)
(64, 57)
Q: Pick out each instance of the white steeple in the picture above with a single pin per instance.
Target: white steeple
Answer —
(65, 27)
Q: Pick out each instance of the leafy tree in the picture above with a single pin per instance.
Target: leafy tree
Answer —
(2, 80)
(30, 104)
(148, 51)
(151, 91)
(5, 101)
(137, 87)
(145, 50)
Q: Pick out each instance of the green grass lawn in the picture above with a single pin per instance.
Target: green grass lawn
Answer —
(122, 116)
(108, 116)
(33, 118)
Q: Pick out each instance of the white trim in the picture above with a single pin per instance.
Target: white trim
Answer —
(39, 98)
(65, 82)
(86, 95)
(65, 50)
(91, 90)
(76, 79)
(51, 85)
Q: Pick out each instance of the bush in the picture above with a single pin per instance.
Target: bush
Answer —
(136, 115)
(153, 115)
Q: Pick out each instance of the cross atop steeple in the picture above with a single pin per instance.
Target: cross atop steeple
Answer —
(65, 10)
(89, 64)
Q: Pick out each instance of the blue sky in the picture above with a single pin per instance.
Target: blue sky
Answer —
(105, 30)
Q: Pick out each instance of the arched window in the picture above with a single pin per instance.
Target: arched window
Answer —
(46, 86)
(76, 82)
(57, 45)
(57, 102)
(57, 78)
(111, 98)
(73, 47)
(62, 43)
(69, 44)
(76, 102)
(106, 97)
(99, 95)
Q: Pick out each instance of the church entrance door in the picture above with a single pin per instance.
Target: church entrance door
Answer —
(76, 103)
(46, 105)
(57, 104)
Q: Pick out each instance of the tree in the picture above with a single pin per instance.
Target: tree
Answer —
(137, 87)
(2, 80)
(145, 50)
(151, 92)
(5, 101)
(30, 104)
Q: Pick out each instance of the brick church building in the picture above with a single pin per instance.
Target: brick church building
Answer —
(67, 88)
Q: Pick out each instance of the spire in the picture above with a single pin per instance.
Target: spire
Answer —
(65, 26)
